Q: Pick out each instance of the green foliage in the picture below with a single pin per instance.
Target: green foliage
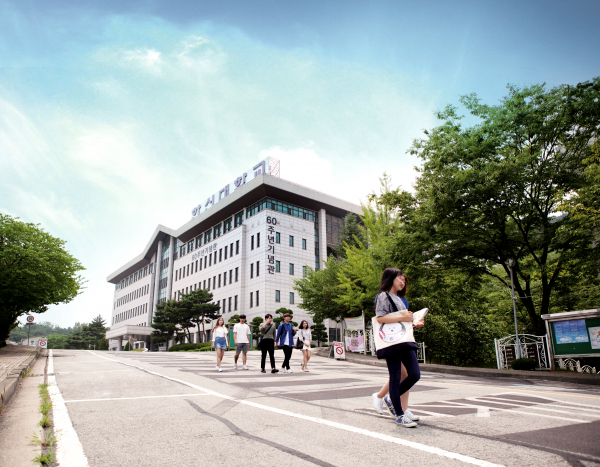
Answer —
(187, 347)
(127, 347)
(350, 235)
(254, 326)
(527, 364)
(278, 319)
(495, 191)
(43, 329)
(234, 319)
(319, 332)
(35, 271)
(57, 341)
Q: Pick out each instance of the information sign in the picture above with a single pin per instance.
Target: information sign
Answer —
(570, 332)
(43, 342)
(595, 337)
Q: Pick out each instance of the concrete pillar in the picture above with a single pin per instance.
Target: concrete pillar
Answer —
(120, 343)
(170, 272)
(155, 289)
(322, 237)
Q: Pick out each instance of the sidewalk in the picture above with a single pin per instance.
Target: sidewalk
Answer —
(14, 360)
(562, 376)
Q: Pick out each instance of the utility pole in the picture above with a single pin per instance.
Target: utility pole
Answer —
(511, 265)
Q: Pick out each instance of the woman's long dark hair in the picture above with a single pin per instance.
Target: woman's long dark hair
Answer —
(301, 327)
(387, 280)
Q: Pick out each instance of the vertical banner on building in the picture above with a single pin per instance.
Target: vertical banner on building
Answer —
(354, 335)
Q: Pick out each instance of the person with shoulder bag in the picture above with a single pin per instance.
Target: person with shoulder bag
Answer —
(285, 339)
(267, 343)
(395, 342)
(304, 337)
(378, 398)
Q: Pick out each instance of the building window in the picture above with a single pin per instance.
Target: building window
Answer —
(258, 240)
(207, 236)
(198, 241)
(204, 286)
(252, 242)
(257, 299)
(225, 278)
(205, 262)
(235, 303)
(229, 303)
(292, 298)
(188, 270)
(238, 219)
(291, 269)
(214, 282)
(231, 250)
(190, 245)
(230, 276)
(277, 266)
(304, 243)
(251, 302)
(219, 280)
(277, 237)
(277, 296)
(215, 257)
(236, 275)
(291, 240)
(225, 252)
(227, 225)
(210, 260)
(257, 268)
(208, 284)
(196, 265)
(237, 247)
(220, 254)
(251, 270)
(303, 271)
(224, 304)
(217, 231)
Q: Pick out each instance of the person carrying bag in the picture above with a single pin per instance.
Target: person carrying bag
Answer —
(266, 343)
(394, 340)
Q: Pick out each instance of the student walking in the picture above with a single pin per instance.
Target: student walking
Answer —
(267, 343)
(241, 337)
(285, 339)
(219, 340)
(305, 336)
(378, 398)
(388, 302)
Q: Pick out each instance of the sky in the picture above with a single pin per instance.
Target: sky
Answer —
(119, 116)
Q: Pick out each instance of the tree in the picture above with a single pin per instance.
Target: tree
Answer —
(255, 326)
(319, 291)
(57, 341)
(279, 318)
(35, 271)
(196, 307)
(494, 191)
(319, 332)
(164, 323)
(96, 331)
(234, 319)
(350, 235)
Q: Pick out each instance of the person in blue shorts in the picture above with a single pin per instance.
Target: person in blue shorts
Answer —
(219, 340)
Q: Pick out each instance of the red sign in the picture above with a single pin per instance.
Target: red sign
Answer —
(43, 342)
(339, 351)
(30, 319)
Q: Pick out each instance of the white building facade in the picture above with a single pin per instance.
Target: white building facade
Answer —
(249, 245)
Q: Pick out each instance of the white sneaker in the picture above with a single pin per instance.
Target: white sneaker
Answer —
(410, 415)
(217, 367)
(378, 403)
(245, 367)
(235, 366)
(290, 371)
(220, 369)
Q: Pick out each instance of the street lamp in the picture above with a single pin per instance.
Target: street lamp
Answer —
(511, 264)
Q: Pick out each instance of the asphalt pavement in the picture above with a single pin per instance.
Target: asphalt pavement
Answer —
(175, 409)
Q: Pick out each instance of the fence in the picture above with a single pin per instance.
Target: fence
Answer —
(530, 346)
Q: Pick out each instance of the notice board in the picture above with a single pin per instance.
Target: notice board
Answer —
(576, 336)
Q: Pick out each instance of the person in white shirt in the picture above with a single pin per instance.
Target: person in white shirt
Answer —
(241, 337)
(219, 340)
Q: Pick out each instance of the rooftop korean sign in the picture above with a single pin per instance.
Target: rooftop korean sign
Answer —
(260, 168)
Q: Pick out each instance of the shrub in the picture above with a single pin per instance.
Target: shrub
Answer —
(178, 347)
(523, 364)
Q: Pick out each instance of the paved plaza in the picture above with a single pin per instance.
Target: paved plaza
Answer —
(155, 409)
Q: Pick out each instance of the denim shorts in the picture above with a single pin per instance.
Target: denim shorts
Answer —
(220, 343)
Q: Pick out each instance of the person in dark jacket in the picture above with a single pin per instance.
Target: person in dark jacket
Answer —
(267, 343)
(285, 340)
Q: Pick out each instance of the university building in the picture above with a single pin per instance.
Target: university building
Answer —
(246, 244)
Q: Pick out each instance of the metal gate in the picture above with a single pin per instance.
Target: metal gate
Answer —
(534, 347)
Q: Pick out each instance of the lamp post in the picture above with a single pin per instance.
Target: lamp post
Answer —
(511, 265)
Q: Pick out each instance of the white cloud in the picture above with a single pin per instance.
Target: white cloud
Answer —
(148, 59)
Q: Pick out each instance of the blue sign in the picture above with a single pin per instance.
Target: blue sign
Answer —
(570, 332)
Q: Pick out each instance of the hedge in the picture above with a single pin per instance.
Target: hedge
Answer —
(523, 364)
(178, 347)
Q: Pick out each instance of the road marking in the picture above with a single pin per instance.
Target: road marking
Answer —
(130, 398)
(462, 404)
(515, 403)
(321, 421)
(69, 451)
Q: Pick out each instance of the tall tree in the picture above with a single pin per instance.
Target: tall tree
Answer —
(350, 235)
(35, 271)
(165, 322)
(493, 191)
(197, 307)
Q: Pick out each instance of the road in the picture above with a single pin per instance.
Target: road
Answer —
(173, 409)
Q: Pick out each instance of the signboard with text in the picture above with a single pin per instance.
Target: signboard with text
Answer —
(576, 337)
(338, 350)
(43, 342)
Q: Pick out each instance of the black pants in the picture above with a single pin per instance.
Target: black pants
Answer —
(397, 387)
(287, 352)
(267, 345)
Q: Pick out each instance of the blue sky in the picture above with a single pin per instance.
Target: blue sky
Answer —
(115, 117)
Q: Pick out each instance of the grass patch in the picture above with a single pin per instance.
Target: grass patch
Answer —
(45, 458)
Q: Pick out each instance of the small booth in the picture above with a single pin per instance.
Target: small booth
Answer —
(573, 334)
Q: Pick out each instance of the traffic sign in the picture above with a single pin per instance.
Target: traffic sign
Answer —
(30, 319)
(339, 351)
(43, 342)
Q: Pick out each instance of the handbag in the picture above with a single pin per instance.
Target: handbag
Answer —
(388, 337)
(299, 341)
(260, 339)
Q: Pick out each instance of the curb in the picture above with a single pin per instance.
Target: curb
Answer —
(12, 382)
(564, 377)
